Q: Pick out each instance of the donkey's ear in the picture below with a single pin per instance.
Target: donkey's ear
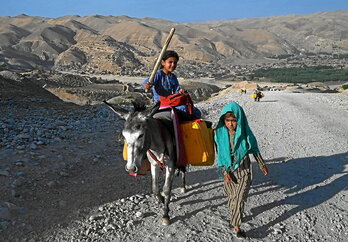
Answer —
(123, 113)
(149, 112)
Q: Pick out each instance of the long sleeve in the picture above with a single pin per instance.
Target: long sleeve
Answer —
(259, 160)
(155, 82)
(176, 86)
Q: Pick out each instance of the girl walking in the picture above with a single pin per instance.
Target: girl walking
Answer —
(235, 141)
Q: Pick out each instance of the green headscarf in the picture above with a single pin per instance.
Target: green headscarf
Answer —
(244, 139)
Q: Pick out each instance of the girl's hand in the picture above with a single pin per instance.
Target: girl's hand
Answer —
(227, 178)
(264, 171)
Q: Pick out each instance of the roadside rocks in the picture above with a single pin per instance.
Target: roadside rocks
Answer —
(10, 75)
(115, 220)
(8, 211)
(4, 173)
(24, 129)
(27, 126)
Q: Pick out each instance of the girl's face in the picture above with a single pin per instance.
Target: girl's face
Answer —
(231, 123)
(169, 65)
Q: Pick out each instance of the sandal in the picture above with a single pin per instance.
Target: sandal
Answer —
(240, 234)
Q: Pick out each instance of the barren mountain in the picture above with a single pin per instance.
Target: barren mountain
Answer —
(125, 45)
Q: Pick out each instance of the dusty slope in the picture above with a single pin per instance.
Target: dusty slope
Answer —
(303, 137)
(103, 44)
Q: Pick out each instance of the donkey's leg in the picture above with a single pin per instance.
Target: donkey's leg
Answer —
(155, 186)
(183, 181)
(167, 188)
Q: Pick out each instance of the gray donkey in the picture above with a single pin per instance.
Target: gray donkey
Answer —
(147, 136)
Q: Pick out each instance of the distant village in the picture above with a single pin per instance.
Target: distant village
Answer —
(241, 71)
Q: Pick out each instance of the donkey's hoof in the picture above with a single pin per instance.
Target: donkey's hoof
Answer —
(160, 199)
(165, 221)
(182, 189)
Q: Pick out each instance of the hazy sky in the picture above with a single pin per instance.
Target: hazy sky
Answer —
(174, 10)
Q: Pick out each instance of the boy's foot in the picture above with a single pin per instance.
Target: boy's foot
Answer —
(240, 234)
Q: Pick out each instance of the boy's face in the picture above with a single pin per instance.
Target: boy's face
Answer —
(169, 64)
(231, 123)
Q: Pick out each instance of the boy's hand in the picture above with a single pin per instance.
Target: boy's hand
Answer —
(264, 171)
(147, 86)
(181, 91)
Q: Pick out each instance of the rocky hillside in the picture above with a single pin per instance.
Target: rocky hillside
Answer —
(124, 45)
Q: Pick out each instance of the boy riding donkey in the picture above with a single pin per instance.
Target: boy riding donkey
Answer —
(165, 83)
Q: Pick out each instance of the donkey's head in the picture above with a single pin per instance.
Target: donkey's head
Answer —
(136, 132)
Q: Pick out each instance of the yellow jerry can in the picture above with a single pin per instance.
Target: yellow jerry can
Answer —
(125, 155)
(198, 142)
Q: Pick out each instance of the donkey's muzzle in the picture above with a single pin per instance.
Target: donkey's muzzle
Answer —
(133, 169)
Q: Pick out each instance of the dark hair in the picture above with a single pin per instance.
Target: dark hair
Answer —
(228, 115)
(170, 53)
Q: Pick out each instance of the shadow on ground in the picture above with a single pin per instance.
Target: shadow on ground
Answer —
(308, 182)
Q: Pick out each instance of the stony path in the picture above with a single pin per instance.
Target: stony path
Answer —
(304, 138)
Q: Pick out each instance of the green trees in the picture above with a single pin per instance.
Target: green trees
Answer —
(302, 75)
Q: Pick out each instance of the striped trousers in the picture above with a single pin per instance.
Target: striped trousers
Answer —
(237, 191)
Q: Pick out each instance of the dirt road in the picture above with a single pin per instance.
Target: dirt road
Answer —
(302, 136)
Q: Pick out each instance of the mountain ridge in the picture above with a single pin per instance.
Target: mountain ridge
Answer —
(126, 45)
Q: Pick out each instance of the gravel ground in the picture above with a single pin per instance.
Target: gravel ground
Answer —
(69, 184)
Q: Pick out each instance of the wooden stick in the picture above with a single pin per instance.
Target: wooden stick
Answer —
(159, 59)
